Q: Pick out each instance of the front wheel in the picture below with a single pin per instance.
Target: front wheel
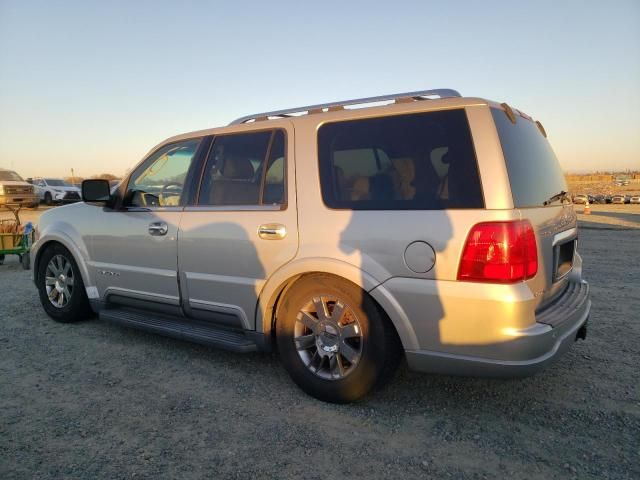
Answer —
(60, 286)
(334, 341)
(48, 199)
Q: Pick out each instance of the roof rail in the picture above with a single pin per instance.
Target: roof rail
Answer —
(418, 95)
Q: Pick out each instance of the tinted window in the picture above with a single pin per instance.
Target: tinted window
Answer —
(245, 169)
(420, 161)
(52, 182)
(534, 172)
(159, 181)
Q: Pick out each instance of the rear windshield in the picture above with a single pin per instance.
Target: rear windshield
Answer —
(420, 161)
(534, 172)
(9, 176)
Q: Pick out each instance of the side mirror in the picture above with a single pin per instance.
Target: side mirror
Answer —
(96, 191)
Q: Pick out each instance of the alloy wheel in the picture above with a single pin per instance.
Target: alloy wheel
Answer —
(328, 337)
(59, 281)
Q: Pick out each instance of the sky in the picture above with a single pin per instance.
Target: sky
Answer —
(94, 85)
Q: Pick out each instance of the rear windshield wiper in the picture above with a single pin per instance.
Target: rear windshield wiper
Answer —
(562, 195)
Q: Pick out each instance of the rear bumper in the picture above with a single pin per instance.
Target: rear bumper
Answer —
(556, 328)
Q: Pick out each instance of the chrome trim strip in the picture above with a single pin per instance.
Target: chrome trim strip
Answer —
(210, 277)
(562, 236)
(233, 208)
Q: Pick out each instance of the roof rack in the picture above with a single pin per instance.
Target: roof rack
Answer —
(398, 97)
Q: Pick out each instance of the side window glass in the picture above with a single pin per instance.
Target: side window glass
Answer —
(421, 161)
(159, 182)
(238, 171)
(273, 193)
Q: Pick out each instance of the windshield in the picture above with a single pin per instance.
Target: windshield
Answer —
(9, 176)
(534, 172)
(54, 182)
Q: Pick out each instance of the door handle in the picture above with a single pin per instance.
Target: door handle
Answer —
(272, 231)
(158, 228)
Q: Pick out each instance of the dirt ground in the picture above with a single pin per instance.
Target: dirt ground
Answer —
(94, 400)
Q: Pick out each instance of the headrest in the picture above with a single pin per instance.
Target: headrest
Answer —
(406, 167)
(237, 168)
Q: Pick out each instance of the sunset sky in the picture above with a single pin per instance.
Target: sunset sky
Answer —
(94, 85)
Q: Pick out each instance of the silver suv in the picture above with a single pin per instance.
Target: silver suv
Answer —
(433, 227)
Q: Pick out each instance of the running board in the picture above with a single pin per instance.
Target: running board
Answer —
(181, 328)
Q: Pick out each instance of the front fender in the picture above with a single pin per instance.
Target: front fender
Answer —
(65, 234)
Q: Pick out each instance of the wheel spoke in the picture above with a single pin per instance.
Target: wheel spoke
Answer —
(308, 320)
(70, 281)
(348, 352)
(338, 312)
(67, 269)
(314, 362)
(58, 266)
(60, 299)
(305, 342)
(67, 293)
(50, 281)
(351, 330)
(52, 294)
(321, 308)
(336, 367)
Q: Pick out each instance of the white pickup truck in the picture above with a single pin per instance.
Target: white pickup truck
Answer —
(14, 191)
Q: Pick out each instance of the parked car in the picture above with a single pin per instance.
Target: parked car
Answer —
(634, 199)
(580, 199)
(56, 190)
(619, 199)
(372, 234)
(15, 191)
(599, 199)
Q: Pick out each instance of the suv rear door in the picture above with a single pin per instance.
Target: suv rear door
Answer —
(240, 226)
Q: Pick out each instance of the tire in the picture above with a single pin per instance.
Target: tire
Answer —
(317, 350)
(1, 259)
(25, 260)
(75, 306)
(48, 199)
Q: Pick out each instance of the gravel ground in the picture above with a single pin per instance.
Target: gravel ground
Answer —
(93, 400)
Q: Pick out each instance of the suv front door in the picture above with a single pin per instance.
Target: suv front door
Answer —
(134, 247)
(240, 227)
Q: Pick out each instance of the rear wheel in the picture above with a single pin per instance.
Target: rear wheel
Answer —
(60, 286)
(48, 199)
(333, 339)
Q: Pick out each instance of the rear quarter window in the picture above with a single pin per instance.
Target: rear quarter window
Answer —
(420, 161)
(534, 172)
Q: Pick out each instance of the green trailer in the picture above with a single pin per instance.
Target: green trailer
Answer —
(15, 240)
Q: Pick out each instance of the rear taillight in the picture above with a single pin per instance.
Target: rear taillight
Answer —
(501, 252)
